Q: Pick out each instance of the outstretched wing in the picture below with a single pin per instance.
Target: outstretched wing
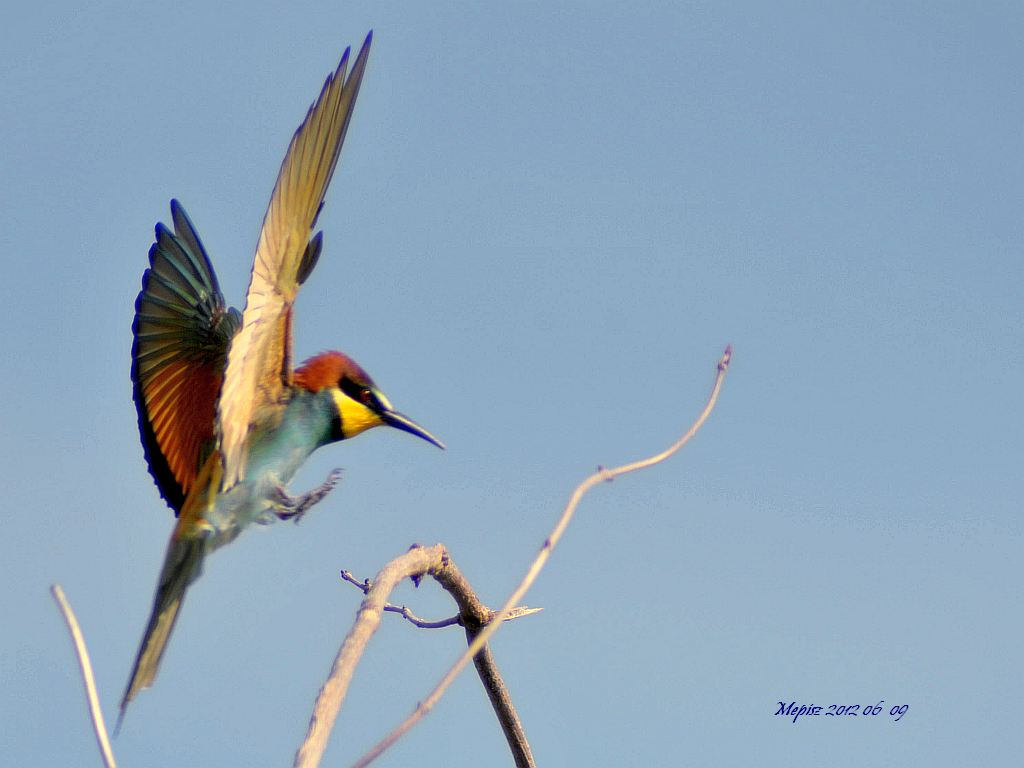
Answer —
(259, 363)
(182, 331)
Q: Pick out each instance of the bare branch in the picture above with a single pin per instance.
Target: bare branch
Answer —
(602, 475)
(474, 615)
(501, 702)
(99, 727)
(405, 613)
(415, 562)
(416, 621)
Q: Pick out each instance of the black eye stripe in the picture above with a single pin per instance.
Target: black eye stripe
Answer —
(351, 389)
(360, 393)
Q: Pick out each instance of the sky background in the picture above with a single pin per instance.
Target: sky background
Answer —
(548, 221)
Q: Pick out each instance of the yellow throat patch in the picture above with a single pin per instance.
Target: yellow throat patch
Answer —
(355, 417)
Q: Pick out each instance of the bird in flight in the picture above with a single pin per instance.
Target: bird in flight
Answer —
(225, 420)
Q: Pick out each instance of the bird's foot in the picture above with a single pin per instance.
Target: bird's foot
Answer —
(294, 507)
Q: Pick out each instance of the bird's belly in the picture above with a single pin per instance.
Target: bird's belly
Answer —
(251, 500)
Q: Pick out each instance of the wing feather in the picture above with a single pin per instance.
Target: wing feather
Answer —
(181, 332)
(259, 361)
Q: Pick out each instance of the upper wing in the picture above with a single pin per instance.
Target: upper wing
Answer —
(181, 335)
(259, 363)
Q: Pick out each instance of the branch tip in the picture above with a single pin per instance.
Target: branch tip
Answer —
(723, 364)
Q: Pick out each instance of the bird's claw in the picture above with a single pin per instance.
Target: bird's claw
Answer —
(295, 507)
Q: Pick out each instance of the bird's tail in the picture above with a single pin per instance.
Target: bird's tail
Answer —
(182, 566)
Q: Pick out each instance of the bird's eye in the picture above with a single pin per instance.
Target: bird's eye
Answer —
(366, 396)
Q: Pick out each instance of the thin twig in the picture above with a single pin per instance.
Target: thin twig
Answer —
(99, 727)
(602, 475)
(416, 621)
(404, 612)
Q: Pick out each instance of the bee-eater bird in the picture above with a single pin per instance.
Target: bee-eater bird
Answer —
(224, 419)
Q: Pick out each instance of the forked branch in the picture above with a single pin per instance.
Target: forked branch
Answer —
(473, 614)
(602, 475)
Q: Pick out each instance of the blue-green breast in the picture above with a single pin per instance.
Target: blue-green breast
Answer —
(276, 451)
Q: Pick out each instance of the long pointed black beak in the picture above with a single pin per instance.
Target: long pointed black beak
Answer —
(404, 423)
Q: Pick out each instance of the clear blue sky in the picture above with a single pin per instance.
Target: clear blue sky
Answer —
(548, 221)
